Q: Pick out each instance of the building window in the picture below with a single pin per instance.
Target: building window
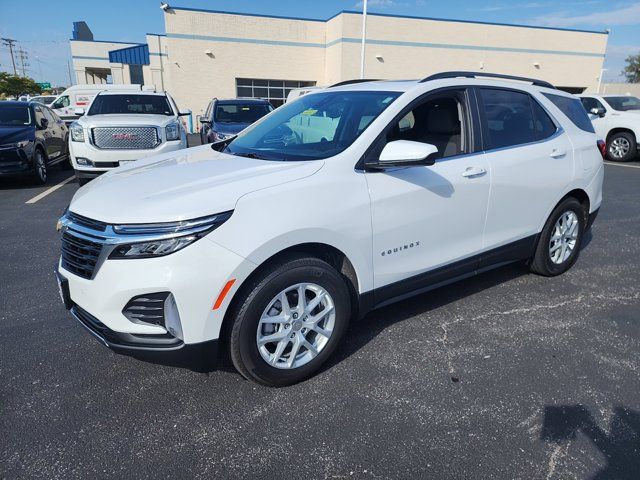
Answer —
(275, 91)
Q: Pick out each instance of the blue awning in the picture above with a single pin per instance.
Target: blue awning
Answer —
(136, 55)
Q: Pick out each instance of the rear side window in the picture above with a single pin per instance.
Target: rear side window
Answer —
(573, 109)
(509, 118)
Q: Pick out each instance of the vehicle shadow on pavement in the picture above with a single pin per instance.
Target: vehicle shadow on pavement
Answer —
(620, 446)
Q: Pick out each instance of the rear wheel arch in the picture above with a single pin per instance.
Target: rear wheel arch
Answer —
(613, 131)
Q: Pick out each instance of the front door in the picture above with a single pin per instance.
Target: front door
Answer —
(426, 217)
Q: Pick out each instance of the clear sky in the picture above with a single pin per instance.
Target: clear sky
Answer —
(44, 32)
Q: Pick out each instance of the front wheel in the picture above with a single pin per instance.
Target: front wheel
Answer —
(39, 167)
(288, 321)
(559, 243)
(622, 147)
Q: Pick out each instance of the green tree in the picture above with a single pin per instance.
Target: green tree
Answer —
(14, 85)
(632, 70)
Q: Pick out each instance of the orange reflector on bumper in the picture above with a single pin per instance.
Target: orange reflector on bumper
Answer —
(223, 293)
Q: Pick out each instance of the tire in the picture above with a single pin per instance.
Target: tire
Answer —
(39, 167)
(622, 147)
(554, 256)
(261, 297)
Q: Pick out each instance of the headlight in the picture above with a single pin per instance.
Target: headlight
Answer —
(171, 237)
(221, 136)
(172, 131)
(77, 132)
(20, 144)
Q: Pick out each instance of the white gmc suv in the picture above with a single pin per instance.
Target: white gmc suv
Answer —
(616, 119)
(121, 127)
(344, 200)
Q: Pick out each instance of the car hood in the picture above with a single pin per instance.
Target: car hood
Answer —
(15, 134)
(137, 120)
(230, 128)
(181, 185)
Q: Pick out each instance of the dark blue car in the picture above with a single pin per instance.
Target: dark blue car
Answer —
(32, 138)
(225, 118)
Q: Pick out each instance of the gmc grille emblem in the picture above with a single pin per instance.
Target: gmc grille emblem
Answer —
(124, 136)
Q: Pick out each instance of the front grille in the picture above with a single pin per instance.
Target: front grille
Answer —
(148, 308)
(87, 222)
(79, 255)
(125, 138)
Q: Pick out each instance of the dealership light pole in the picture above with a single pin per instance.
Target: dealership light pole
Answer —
(364, 36)
(602, 70)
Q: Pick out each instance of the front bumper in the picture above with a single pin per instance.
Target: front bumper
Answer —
(103, 160)
(15, 161)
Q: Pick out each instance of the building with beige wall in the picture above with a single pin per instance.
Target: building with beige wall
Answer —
(206, 54)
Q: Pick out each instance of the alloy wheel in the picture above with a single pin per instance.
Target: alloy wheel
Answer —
(564, 237)
(41, 168)
(619, 147)
(296, 326)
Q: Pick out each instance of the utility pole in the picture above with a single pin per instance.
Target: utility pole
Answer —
(364, 37)
(23, 61)
(69, 71)
(10, 43)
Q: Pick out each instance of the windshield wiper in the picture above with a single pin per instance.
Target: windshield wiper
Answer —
(220, 145)
(250, 155)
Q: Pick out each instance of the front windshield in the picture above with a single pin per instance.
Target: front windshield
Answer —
(318, 125)
(624, 103)
(14, 115)
(240, 113)
(128, 103)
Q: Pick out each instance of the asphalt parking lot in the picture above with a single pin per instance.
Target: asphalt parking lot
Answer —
(507, 375)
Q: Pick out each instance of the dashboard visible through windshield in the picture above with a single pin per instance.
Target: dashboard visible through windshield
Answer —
(316, 126)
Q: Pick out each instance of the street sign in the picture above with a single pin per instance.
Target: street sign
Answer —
(45, 85)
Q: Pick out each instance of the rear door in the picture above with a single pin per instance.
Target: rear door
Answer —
(57, 133)
(531, 162)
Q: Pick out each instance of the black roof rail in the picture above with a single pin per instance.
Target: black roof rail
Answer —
(357, 80)
(441, 75)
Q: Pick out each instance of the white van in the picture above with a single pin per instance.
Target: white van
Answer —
(80, 96)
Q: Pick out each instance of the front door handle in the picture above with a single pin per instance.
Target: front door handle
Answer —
(473, 172)
(557, 153)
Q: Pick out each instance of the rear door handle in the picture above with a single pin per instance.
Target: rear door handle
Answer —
(473, 172)
(557, 153)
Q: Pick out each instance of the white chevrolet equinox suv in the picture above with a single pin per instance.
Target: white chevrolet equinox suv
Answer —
(344, 200)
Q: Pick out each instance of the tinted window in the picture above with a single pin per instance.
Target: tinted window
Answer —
(437, 121)
(240, 113)
(318, 125)
(544, 126)
(14, 114)
(49, 115)
(39, 115)
(573, 109)
(137, 104)
(509, 118)
(589, 103)
(624, 103)
(61, 102)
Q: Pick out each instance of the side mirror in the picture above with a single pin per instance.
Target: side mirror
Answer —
(44, 123)
(598, 111)
(79, 111)
(405, 153)
(186, 113)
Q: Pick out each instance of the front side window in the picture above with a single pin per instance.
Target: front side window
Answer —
(39, 115)
(589, 103)
(437, 121)
(509, 118)
(316, 126)
(61, 102)
(573, 109)
(14, 115)
(240, 113)
(624, 104)
(130, 104)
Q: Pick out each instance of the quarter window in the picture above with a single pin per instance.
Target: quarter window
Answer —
(544, 126)
(573, 109)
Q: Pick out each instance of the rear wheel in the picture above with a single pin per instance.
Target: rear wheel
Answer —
(559, 243)
(39, 167)
(622, 147)
(289, 321)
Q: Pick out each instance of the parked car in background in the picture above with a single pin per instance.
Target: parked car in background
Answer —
(80, 96)
(616, 119)
(32, 139)
(121, 127)
(225, 118)
(44, 99)
(345, 200)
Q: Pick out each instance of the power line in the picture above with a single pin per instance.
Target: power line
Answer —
(24, 57)
(10, 43)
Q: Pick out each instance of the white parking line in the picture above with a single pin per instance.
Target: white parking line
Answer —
(621, 165)
(40, 196)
